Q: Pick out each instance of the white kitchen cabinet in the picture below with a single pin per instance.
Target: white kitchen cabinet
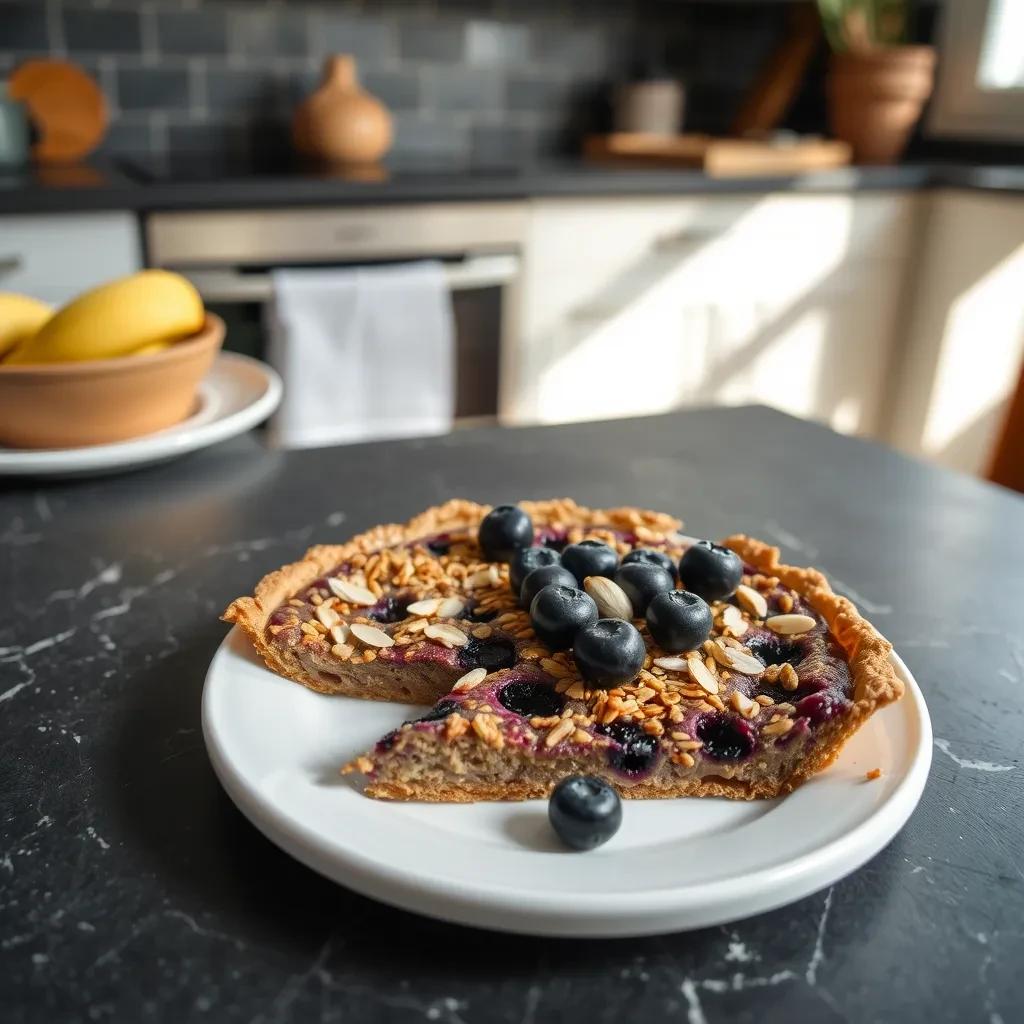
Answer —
(54, 256)
(638, 306)
(964, 337)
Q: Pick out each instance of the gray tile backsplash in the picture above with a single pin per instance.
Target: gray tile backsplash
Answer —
(489, 81)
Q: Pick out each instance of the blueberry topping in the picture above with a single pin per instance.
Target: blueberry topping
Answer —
(545, 576)
(558, 613)
(710, 570)
(776, 650)
(590, 558)
(679, 620)
(387, 741)
(529, 699)
(585, 811)
(641, 581)
(637, 750)
(609, 652)
(504, 530)
(390, 608)
(525, 560)
(725, 737)
(441, 710)
(440, 545)
(650, 556)
(480, 614)
(489, 654)
(820, 707)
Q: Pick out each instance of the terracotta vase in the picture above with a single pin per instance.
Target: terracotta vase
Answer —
(340, 123)
(875, 99)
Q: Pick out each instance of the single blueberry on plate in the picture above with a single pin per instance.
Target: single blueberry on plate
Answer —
(679, 620)
(609, 652)
(725, 737)
(710, 570)
(590, 558)
(493, 654)
(542, 577)
(584, 811)
(558, 613)
(525, 560)
(637, 750)
(641, 581)
(531, 698)
(503, 530)
(651, 556)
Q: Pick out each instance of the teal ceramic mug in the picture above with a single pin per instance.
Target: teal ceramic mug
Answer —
(14, 131)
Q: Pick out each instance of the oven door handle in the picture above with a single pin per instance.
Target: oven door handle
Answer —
(234, 286)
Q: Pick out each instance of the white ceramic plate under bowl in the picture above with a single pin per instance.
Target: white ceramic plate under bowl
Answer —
(674, 864)
(237, 393)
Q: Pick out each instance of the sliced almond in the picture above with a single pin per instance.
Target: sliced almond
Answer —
(671, 664)
(744, 705)
(371, 636)
(779, 728)
(700, 675)
(752, 600)
(610, 598)
(474, 677)
(564, 729)
(447, 634)
(426, 607)
(351, 593)
(719, 653)
(327, 616)
(732, 619)
(489, 577)
(449, 608)
(788, 625)
(740, 661)
(339, 633)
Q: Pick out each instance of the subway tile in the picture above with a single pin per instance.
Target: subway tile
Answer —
(368, 39)
(493, 43)
(575, 49)
(240, 90)
(436, 41)
(102, 31)
(415, 133)
(267, 31)
(192, 32)
(152, 88)
(127, 138)
(397, 90)
(525, 92)
(457, 87)
(24, 27)
(502, 144)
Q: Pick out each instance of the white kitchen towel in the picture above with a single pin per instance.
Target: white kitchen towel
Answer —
(365, 352)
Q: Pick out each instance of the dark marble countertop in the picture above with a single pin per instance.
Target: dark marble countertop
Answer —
(71, 189)
(131, 888)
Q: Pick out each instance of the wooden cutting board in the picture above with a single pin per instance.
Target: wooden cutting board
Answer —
(66, 107)
(718, 157)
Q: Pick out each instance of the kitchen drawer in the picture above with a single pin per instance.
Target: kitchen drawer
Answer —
(55, 256)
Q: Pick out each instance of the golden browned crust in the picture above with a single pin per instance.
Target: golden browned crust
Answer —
(251, 614)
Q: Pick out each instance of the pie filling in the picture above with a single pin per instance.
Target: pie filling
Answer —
(747, 704)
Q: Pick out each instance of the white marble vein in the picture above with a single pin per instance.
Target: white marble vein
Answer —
(978, 766)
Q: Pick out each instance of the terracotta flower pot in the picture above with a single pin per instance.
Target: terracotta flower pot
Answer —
(341, 123)
(875, 99)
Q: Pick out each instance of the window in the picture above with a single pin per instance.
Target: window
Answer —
(980, 90)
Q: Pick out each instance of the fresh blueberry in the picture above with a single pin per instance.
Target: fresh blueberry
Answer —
(489, 654)
(525, 560)
(650, 556)
(558, 613)
(710, 570)
(441, 710)
(505, 529)
(590, 558)
(585, 811)
(390, 608)
(609, 652)
(641, 581)
(679, 620)
(545, 576)
(439, 545)
(725, 737)
(636, 751)
(820, 707)
(531, 698)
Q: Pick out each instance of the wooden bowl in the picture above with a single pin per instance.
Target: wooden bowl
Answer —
(71, 405)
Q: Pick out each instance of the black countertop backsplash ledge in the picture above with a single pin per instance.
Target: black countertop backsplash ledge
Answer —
(131, 888)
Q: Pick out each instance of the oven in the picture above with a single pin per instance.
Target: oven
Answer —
(229, 254)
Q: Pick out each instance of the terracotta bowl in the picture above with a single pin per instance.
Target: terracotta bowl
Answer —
(71, 405)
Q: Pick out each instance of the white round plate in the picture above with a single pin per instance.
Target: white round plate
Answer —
(674, 864)
(233, 397)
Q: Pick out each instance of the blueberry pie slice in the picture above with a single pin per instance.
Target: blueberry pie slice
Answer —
(556, 640)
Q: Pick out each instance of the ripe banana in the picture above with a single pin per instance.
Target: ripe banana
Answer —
(117, 319)
(20, 317)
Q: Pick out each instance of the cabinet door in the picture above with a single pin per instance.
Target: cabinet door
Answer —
(55, 256)
(638, 307)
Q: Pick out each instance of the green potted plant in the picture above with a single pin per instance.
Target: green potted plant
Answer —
(877, 83)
